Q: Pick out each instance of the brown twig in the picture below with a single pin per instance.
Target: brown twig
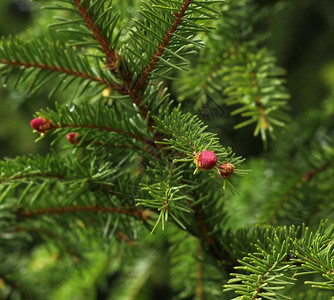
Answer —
(106, 128)
(67, 71)
(137, 213)
(143, 78)
(113, 59)
(149, 143)
(263, 278)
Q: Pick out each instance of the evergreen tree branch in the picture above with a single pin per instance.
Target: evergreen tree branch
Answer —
(58, 69)
(152, 52)
(32, 175)
(262, 282)
(143, 78)
(136, 213)
(129, 127)
(113, 59)
(314, 254)
(39, 175)
(45, 176)
(266, 270)
(103, 128)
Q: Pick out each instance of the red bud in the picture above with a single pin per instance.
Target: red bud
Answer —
(40, 124)
(205, 160)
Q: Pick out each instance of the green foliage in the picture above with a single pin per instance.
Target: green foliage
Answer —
(28, 62)
(275, 264)
(104, 17)
(158, 27)
(235, 69)
(80, 217)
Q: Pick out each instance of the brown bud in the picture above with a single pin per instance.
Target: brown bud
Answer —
(72, 138)
(226, 170)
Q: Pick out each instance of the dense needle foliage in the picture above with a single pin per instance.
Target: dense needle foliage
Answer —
(115, 201)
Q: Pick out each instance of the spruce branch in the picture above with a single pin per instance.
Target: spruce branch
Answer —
(52, 58)
(161, 40)
(38, 174)
(314, 254)
(136, 213)
(266, 270)
(142, 80)
(113, 59)
(56, 69)
(102, 128)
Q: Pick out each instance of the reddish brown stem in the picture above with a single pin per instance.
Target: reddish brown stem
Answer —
(113, 58)
(147, 148)
(143, 78)
(106, 128)
(258, 288)
(137, 213)
(67, 71)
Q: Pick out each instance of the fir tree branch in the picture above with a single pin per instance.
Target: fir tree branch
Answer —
(262, 281)
(137, 213)
(33, 175)
(306, 177)
(113, 58)
(106, 128)
(149, 144)
(143, 78)
(67, 71)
